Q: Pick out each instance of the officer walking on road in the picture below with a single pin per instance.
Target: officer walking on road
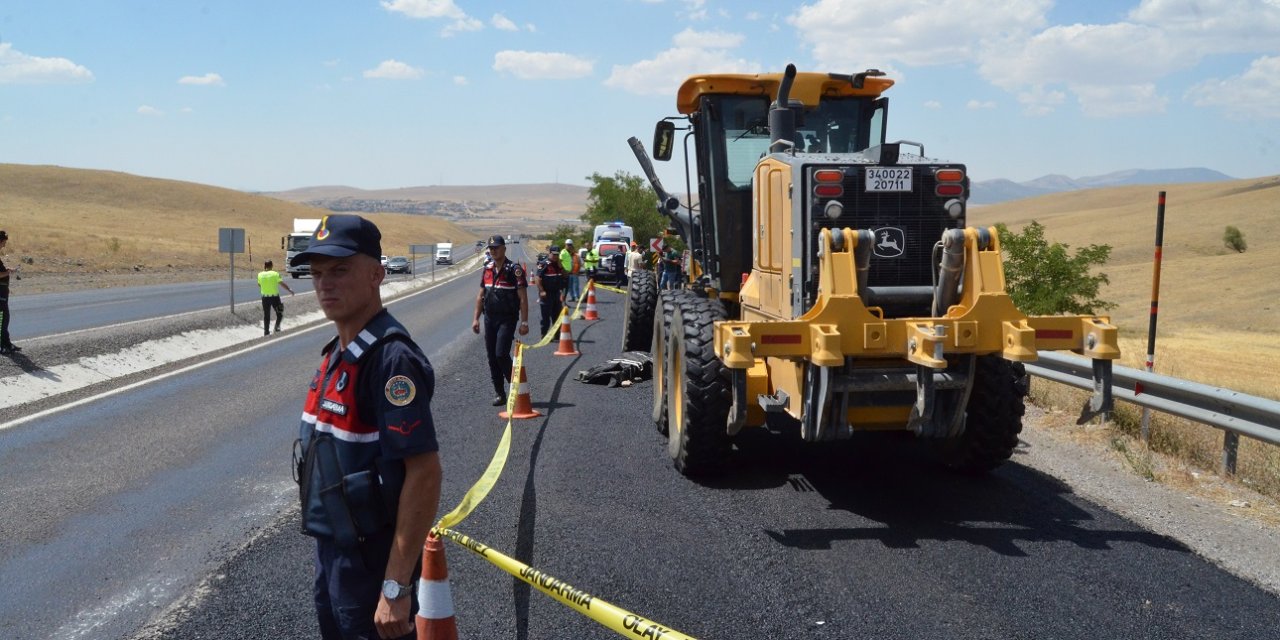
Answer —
(366, 458)
(269, 283)
(550, 288)
(6, 274)
(504, 301)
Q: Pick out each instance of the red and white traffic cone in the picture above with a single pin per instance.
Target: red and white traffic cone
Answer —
(524, 404)
(435, 619)
(566, 348)
(590, 313)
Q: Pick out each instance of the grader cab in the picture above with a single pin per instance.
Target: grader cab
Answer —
(833, 279)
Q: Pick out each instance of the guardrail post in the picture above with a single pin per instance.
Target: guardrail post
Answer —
(1230, 445)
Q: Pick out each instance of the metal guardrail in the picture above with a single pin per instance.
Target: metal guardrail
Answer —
(1234, 412)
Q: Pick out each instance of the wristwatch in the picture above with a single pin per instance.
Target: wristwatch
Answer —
(393, 590)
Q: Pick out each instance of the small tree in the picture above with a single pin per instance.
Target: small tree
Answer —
(624, 197)
(1045, 279)
(1234, 239)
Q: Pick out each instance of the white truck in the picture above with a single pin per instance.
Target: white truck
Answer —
(296, 243)
(444, 253)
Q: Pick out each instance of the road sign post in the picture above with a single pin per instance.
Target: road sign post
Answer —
(425, 249)
(231, 241)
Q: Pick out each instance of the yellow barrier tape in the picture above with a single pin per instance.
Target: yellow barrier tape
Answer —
(609, 288)
(577, 308)
(480, 490)
(553, 331)
(610, 616)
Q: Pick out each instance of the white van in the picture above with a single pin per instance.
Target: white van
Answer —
(444, 253)
(612, 232)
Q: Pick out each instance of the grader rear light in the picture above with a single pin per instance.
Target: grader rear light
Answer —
(950, 182)
(828, 183)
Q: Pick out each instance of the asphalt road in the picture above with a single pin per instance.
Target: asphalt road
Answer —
(179, 492)
(48, 314)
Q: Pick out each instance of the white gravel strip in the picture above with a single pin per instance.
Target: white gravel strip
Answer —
(25, 387)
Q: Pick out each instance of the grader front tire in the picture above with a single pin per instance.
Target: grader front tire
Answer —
(698, 395)
(994, 419)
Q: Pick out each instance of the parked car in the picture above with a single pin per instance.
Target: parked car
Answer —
(399, 264)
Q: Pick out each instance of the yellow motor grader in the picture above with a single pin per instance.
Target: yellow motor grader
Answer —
(831, 276)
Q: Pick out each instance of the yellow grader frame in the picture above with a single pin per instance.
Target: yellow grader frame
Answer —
(791, 306)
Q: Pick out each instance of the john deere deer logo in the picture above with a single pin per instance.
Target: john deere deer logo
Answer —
(889, 242)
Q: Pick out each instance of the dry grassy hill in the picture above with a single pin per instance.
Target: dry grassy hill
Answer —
(1219, 310)
(77, 221)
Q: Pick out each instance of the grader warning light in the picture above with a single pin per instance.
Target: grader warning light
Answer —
(832, 282)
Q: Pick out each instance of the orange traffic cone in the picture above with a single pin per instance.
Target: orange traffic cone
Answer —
(435, 599)
(524, 405)
(566, 348)
(590, 313)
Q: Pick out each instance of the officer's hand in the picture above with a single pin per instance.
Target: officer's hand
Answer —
(524, 328)
(392, 618)
(475, 326)
(542, 294)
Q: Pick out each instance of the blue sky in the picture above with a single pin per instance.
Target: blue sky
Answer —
(278, 94)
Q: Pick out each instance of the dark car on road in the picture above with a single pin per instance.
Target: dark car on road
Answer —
(399, 264)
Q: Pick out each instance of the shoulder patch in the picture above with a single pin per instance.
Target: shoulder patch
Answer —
(400, 391)
(518, 271)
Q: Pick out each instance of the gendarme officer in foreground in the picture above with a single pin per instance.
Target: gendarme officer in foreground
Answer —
(366, 460)
(504, 301)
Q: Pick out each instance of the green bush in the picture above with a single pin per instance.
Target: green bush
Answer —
(1046, 279)
(1234, 239)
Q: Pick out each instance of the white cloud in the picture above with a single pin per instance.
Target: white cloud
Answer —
(393, 70)
(460, 80)
(148, 110)
(852, 35)
(933, 104)
(1215, 26)
(1110, 101)
(208, 79)
(436, 9)
(19, 68)
(689, 39)
(980, 104)
(186, 110)
(1039, 101)
(540, 65)
(458, 26)
(1121, 54)
(503, 23)
(694, 52)
(530, 27)
(1252, 94)
(695, 9)
(425, 8)
(752, 15)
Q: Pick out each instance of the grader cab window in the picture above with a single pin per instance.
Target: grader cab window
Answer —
(836, 125)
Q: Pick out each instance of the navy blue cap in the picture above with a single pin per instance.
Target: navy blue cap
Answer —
(497, 241)
(339, 236)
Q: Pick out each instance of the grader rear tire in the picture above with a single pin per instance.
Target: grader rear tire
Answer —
(666, 305)
(637, 317)
(698, 395)
(994, 419)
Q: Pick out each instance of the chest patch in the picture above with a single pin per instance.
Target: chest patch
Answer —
(400, 391)
(336, 408)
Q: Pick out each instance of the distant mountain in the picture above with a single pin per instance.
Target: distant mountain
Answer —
(1001, 190)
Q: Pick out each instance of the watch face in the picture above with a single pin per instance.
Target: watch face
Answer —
(392, 590)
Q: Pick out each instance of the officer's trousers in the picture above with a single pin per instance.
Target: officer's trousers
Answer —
(4, 322)
(269, 303)
(550, 306)
(348, 585)
(499, 333)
